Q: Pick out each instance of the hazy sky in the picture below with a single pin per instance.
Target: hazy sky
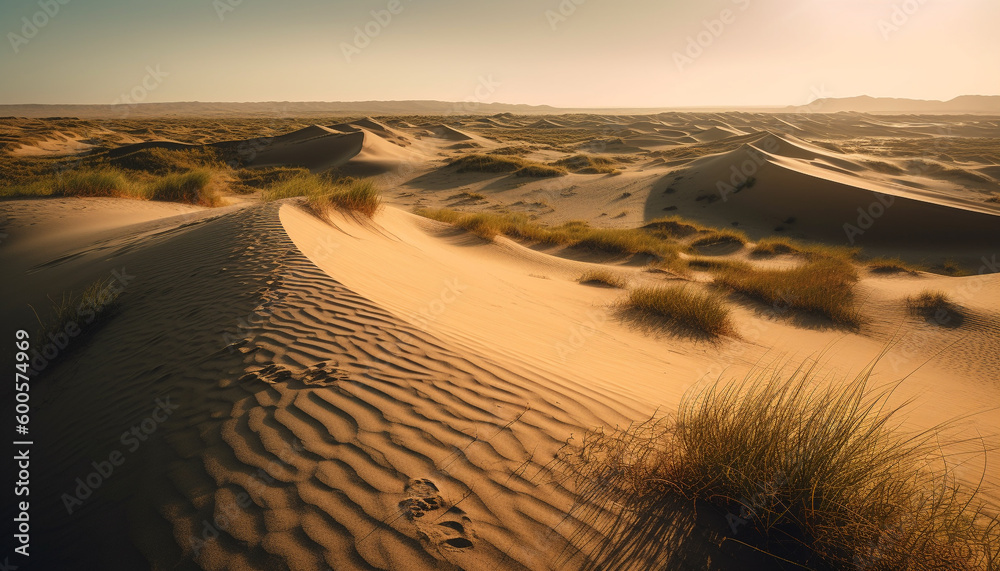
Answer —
(567, 53)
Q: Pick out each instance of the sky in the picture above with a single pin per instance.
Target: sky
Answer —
(564, 53)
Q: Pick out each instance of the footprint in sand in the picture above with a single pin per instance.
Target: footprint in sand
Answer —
(437, 523)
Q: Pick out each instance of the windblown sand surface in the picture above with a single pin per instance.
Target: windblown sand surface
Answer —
(394, 393)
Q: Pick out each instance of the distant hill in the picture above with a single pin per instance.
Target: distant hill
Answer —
(269, 109)
(965, 104)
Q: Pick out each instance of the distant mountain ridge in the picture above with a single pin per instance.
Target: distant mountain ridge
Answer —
(965, 104)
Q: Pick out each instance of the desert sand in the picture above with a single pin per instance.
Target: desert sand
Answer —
(396, 393)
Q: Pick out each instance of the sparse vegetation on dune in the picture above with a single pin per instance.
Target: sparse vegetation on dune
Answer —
(620, 241)
(252, 180)
(816, 473)
(824, 286)
(936, 307)
(604, 277)
(777, 245)
(323, 193)
(884, 265)
(360, 196)
(588, 164)
(160, 161)
(717, 264)
(93, 182)
(682, 305)
(193, 187)
(84, 182)
(720, 236)
(928, 301)
(185, 175)
(477, 162)
(77, 313)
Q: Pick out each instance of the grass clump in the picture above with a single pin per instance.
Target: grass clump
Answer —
(824, 286)
(97, 182)
(588, 164)
(354, 195)
(477, 162)
(74, 313)
(819, 471)
(683, 306)
(777, 245)
(885, 265)
(322, 193)
(192, 187)
(620, 241)
(721, 236)
(936, 307)
(604, 277)
(161, 161)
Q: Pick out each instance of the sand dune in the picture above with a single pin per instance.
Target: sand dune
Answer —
(395, 393)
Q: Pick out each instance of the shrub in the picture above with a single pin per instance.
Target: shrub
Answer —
(824, 286)
(683, 306)
(819, 471)
(605, 277)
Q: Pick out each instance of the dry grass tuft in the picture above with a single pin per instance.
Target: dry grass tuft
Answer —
(322, 194)
(936, 307)
(477, 162)
(818, 471)
(776, 245)
(721, 236)
(683, 306)
(192, 187)
(618, 241)
(824, 286)
(884, 265)
(588, 164)
(605, 277)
